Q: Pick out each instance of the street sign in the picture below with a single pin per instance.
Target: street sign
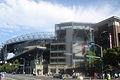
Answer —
(92, 56)
(21, 65)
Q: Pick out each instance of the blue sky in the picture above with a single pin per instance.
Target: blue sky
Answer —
(19, 17)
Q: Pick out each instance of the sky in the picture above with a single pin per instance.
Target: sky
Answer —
(19, 17)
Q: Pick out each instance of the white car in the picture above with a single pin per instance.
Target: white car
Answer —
(2, 76)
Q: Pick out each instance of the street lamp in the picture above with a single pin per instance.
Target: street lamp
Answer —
(100, 49)
(101, 54)
(23, 65)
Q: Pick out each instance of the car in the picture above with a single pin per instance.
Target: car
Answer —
(2, 76)
(74, 76)
(13, 73)
(58, 76)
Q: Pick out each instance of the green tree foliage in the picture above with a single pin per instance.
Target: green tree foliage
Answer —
(93, 63)
(91, 60)
(111, 58)
(10, 67)
(108, 68)
(16, 65)
(1, 68)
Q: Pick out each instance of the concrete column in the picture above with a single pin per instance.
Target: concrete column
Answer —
(69, 39)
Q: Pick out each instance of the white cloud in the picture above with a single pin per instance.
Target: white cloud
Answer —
(44, 15)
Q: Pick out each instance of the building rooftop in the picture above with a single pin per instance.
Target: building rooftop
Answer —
(74, 24)
(111, 19)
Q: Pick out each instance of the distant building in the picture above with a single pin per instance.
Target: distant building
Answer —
(68, 50)
(32, 51)
(62, 52)
(1, 56)
(107, 32)
(43, 53)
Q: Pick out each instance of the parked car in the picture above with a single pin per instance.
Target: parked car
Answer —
(74, 76)
(2, 76)
(58, 76)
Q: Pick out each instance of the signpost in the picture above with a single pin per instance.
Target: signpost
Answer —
(88, 56)
(97, 56)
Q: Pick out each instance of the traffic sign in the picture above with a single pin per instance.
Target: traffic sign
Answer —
(21, 65)
(92, 56)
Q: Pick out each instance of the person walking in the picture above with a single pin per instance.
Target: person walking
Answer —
(108, 77)
(81, 76)
(116, 75)
(103, 76)
(95, 75)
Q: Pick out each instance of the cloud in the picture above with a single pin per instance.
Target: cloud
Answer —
(17, 15)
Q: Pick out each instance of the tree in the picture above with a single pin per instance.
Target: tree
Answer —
(10, 67)
(108, 68)
(16, 65)
(1, 68)
(91, 60)
(6, 67)
(111, 59)
(93, 63)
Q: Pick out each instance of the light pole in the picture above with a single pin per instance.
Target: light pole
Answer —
(101, 57)
(100, 49)
(23, 65)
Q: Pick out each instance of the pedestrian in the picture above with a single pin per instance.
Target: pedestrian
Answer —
(108, 77)
(95, 76)
(103, 76)
(99, 76)
(119, 74)
(81, 77)
(116, 75)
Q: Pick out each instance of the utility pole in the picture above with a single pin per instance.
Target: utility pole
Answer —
(101, 57)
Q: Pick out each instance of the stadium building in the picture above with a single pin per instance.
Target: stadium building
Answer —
(32, 51)
(44, 53)
(62, 51)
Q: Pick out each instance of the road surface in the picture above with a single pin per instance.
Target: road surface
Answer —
(31, 77)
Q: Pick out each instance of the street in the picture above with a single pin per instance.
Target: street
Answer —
(23, 77)
(31, 77)
(19, 77)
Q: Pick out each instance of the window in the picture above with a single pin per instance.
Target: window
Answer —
(61, 60)
(61, 55)
(53, 54)
(53, 60)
